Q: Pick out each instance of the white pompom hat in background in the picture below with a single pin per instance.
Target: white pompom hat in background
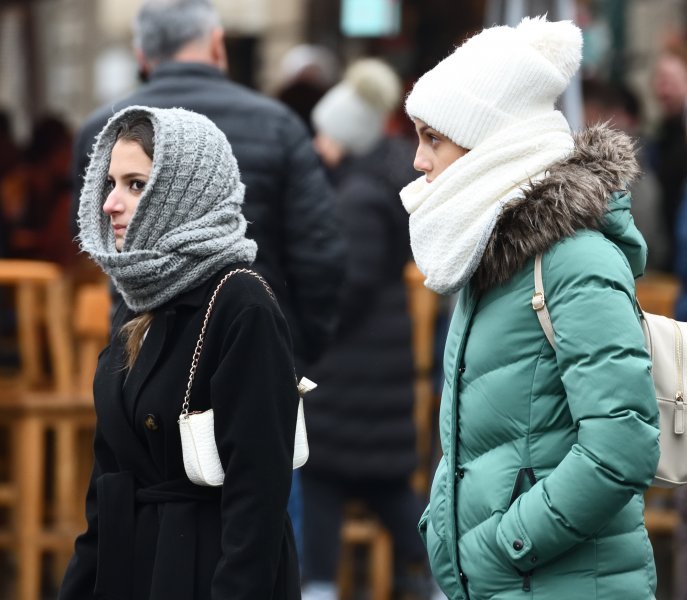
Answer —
(496, 78)
(353, 113)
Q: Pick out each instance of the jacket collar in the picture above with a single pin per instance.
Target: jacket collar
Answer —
(173, 68)
(574, 195)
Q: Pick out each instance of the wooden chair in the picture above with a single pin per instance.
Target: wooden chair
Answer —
(41, 303)
(39, 406)
(359, 527)
(657, 293)
(29, 416)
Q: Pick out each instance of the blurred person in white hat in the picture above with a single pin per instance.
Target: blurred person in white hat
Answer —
(546, 451)
(360, 419)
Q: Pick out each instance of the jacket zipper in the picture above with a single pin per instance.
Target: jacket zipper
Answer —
(526, 581)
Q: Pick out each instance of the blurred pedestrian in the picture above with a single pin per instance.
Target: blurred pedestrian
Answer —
(36, 195)
(360, 419)
(306, 72)
(161, 214)
(10, 156)
(546, 451)
(620, 106)
(669, 146)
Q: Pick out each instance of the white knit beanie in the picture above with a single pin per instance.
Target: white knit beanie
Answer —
(354, 111)
(498, 77)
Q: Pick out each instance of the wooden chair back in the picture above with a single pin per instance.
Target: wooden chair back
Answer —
(657, 293)
(423, 305)
(41, 304)
(91, 324)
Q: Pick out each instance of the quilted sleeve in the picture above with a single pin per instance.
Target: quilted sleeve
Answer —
(605, 371)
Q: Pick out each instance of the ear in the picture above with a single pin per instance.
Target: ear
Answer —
(144, 67)
(218, 50)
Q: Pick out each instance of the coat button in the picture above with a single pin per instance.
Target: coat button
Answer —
(461, 473)
(151, 423)
(518, 545)
(461, 370)
(534, 559)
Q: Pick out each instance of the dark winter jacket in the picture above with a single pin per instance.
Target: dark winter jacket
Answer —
(546, 455)
(152, 534)
(668, 156)
(288, 202)
(360, 419)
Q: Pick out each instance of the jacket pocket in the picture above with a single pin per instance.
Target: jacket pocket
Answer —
(524, 480)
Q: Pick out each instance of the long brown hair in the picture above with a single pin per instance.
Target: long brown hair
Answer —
(139, 130)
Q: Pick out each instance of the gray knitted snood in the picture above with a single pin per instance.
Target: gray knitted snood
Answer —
(188, 224)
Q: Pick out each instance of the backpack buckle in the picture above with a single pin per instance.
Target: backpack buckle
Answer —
(538, 301)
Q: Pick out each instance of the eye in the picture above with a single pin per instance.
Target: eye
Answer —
(137, 185)
(109, 184)
(433, 139)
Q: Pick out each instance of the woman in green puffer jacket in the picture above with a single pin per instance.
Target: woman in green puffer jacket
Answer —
(546, 454)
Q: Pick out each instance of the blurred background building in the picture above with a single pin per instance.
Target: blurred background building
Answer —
(68, 56)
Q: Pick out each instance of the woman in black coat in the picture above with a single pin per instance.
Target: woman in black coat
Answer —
(167, 231)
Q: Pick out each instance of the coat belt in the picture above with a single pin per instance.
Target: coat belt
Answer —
(174, 547)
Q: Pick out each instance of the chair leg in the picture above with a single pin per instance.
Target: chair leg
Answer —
(66, 489)
(381, 566)
(28, 449)
(345, 574)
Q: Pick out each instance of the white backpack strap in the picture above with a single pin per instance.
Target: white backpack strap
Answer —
(539, 303)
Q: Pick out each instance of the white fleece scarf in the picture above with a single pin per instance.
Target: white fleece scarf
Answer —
(452, 218)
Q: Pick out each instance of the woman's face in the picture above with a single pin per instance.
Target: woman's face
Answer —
(435, 152)
(129, 172)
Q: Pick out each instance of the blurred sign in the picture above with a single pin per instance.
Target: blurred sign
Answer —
(370, 18)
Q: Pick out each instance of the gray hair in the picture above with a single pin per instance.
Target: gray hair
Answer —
(163, 27)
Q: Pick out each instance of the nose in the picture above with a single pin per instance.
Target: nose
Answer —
(421, 163)
(112, 203)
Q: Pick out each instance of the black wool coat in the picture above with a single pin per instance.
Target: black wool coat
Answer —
(288, 203)
(152, 534)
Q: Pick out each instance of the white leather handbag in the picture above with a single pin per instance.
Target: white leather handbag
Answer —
(197, 429)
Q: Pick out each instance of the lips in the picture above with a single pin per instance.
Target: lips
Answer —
(118, 228)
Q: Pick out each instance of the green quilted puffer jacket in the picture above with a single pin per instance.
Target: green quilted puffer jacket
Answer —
(546, 454)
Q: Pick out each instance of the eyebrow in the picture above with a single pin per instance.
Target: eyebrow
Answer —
(130, 175)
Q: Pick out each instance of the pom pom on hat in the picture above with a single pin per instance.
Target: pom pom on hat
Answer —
(560, 42)
(353, 112)
(497, 78)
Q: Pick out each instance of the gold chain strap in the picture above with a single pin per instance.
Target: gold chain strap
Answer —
(201, 337)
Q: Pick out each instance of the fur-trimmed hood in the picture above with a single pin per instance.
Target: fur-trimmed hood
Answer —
(585, 191)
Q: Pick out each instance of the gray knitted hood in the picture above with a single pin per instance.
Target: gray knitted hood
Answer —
(188, 224)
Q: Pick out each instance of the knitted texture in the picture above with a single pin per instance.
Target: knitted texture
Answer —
(452, 218)
(188, 223)
(497, 78)
(354, 112)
